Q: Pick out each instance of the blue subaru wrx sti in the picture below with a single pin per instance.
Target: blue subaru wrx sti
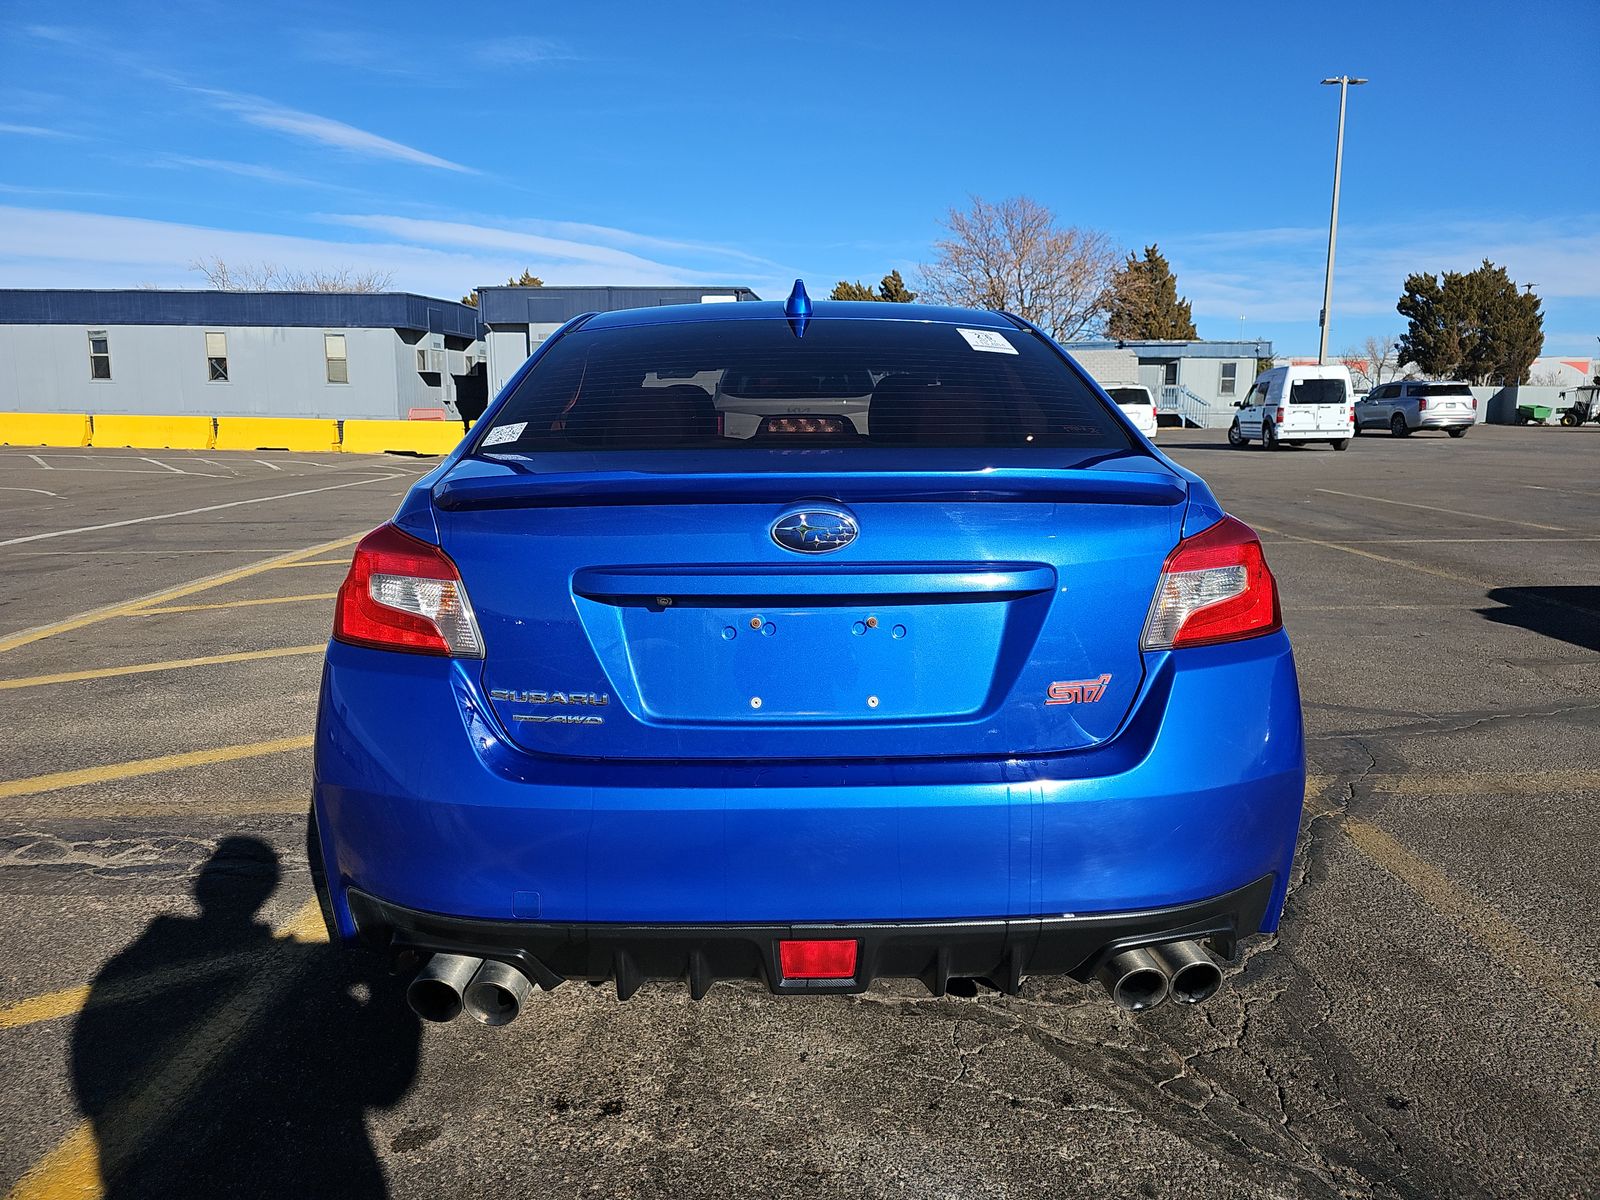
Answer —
(811, 644)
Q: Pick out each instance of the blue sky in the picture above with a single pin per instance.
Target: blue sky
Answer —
(742, 143)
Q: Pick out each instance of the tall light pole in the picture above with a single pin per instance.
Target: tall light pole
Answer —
(1345, 82)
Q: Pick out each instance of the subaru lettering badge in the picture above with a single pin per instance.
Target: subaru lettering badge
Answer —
(814, 530)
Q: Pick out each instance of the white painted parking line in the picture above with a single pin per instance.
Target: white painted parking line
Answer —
(41, 462)
(189, 512)
(265, 463)
(1454, 512)
(41, 491)
(163, 466)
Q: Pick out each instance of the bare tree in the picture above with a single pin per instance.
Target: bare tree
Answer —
(270, 277)
(1375, 362)
(1012, 255)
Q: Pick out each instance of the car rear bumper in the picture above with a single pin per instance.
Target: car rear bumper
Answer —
(1446, 421)
(421, 800)
(1002, 951)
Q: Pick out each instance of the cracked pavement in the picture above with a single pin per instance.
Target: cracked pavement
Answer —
(1393, 1041)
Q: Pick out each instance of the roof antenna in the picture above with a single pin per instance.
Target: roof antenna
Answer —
(798, 308)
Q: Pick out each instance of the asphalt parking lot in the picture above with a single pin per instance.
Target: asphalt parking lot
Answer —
(1427, 1024)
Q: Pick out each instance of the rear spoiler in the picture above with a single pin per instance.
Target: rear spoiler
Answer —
(590, 489)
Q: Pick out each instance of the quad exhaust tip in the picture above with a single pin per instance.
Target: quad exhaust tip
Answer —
(1145, 977)
(436, 994)
(497, 992)
(1193, 974)
(1134, 980)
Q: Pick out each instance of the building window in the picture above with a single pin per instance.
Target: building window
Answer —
(1230, 376)
(338, 363)
(1170, 376)
(99, 354)
(217, 358)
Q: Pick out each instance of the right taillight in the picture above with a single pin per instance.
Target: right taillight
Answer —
(1214, 587)
(404, 594)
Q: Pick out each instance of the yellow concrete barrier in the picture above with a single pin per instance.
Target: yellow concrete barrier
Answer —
(411, 437)
(44, 429)
(152, 433)
(276, 433)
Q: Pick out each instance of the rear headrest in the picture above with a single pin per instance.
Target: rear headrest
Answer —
(664, 416)
(922, 410)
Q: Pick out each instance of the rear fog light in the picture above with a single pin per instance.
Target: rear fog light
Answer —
(831, 959)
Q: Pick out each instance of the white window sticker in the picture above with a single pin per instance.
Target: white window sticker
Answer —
(987, 339)
(504, 433)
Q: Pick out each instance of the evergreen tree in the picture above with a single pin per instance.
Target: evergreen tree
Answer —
(1144, 304)
(851, 291)
(892, 289)
(1473, 326)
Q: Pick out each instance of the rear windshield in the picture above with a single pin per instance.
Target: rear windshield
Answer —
(752, 384)
(1317, 391)
(1440, 389)
(1127, 396)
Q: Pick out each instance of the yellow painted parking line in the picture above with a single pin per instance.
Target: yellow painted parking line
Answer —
(1453, 512)
(1502, 940)
(75, 1167)
(174, 664)
(47, 806)
(34, 785)
(182, 608)
(39, 632)
(345, 562)
(52, 1006)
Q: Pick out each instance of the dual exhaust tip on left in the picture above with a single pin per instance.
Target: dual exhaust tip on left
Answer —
(1146, 976)
(448, 984)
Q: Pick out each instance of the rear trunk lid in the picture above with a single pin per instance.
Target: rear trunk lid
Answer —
(637, 611)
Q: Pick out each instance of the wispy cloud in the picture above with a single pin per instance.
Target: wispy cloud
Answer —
(326, 131)
(245, 170)
(590, 249)
(59, 248)
(258, 110)
(521, 51)
(38, 131)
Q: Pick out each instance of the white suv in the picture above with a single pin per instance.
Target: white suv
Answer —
(1296, 404)
(1416, 404)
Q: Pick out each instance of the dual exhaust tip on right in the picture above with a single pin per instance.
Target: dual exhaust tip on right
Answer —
(1150, 975)
(449, 984)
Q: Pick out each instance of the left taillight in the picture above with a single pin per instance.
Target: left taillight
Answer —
(403, 594)
(1215, 587)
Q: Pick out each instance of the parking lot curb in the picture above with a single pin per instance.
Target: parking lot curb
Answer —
(139, 432)
(44, 429)
(406, 437)
(300, 434)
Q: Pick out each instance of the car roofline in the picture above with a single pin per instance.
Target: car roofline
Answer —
(822, 310)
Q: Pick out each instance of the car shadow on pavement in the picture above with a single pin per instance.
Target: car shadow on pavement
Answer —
(216, 1059)
(1568, 614)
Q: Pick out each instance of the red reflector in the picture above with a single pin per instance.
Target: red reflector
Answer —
(818, 960)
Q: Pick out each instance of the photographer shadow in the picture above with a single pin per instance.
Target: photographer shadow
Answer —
(213, 1058)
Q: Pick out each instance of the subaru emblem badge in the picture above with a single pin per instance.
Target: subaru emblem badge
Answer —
(814, 530)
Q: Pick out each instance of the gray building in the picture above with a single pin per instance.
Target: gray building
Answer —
(302, 354)
(517, 319)
(1194, 383)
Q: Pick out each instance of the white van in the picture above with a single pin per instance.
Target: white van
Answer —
(1296, 404)
(1137, 403)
